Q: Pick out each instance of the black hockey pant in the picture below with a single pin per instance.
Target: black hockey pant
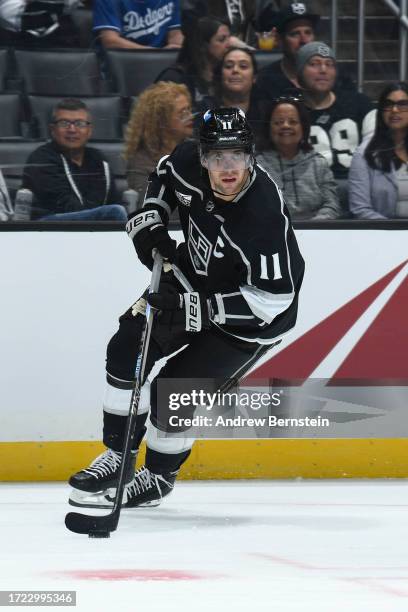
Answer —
(209, 354)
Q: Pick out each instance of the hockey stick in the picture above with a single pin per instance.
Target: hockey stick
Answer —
(101, 526)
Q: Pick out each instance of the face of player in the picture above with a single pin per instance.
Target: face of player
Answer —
(286, 131)
(219, 43)
(319, 74)
(298, 33)
(227, 171)
(181, 120)
(395, 110)
(71, 130)
(238, 72)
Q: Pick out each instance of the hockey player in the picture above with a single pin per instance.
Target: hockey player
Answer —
(239, 265)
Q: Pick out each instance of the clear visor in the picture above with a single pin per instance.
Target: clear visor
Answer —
(219, 160)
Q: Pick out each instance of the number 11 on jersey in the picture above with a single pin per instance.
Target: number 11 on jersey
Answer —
(275, 264)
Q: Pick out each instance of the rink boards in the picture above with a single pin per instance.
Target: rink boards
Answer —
(61, 296)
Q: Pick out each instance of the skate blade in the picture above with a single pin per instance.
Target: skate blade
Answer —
(110, 497)
(151, 504)
(148, 504)
(84, 499)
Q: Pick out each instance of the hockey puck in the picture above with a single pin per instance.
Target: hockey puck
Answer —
(99, 534)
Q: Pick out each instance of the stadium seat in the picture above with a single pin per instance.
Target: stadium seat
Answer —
(4, 56)
(59, 72)
(107, 115)
(130, 72)
(263, 58)
(112, 151)
(82, 20)
(10, 115)
(13, 157)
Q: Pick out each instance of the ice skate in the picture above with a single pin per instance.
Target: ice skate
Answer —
(91, 484)
(146, 489)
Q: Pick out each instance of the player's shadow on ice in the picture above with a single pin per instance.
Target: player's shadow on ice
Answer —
(170, 519)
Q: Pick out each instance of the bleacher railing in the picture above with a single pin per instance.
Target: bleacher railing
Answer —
(401, 13)
(333, 25)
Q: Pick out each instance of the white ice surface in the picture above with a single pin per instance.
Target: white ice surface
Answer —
(280, 546)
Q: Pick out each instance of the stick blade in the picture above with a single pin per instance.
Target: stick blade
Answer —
(94, 526)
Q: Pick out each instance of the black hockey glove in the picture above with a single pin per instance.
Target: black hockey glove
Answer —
(147, 231)
(189, 309)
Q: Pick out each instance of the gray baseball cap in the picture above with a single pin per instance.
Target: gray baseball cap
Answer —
(313, 48)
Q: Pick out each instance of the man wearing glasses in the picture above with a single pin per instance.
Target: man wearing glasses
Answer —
(70, 180)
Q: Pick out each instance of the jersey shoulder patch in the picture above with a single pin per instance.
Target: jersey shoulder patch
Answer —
(183, 198)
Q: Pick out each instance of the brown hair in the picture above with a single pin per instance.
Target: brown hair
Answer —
(150, 117)
(217, 78)
(70, 104)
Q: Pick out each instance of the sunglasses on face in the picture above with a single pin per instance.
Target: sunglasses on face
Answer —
(401, 105)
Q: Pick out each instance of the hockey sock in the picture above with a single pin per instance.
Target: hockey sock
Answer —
(165, 463)
(114, 428)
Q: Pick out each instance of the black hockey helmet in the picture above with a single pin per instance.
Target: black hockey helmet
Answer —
(225, 128)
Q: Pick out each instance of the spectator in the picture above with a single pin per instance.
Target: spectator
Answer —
(234, 79)
(340, 120)
(70, 180)
(6, 210)
(238, 14)
(304, 176)
(132, 24)
(203, 47)
(160, 120)
(378, 179)
(38, 23)
(293, 27)
(235, 84)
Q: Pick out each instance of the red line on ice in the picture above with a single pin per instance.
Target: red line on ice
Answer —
(308, 566)
(376, 584)
(133, 574)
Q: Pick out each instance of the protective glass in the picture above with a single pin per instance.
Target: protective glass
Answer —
(218, 161)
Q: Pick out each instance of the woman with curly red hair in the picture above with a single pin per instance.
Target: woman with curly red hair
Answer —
(160, 119)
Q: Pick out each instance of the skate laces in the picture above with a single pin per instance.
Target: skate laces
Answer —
(145, 480)
(107, 463)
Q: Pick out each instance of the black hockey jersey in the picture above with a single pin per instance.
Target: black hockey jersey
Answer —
(242, 254)
(337, 131)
